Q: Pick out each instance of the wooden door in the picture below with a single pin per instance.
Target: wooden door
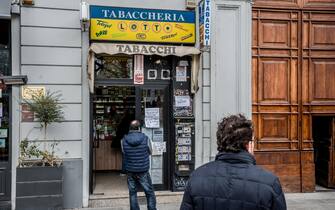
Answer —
(293, 53)
(275, 93)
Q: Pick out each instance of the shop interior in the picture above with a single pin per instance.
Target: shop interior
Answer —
(117, 101)
(113, 108)
(323, 136)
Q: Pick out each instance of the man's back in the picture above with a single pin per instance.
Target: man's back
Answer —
(233, 182)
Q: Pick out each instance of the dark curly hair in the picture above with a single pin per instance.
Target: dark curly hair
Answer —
(233, 133)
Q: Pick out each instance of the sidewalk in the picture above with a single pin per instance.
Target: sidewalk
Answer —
(295, 201)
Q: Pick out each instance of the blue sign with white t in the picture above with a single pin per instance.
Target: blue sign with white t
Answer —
(205, 22)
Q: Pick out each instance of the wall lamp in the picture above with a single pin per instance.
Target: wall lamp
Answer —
(14, 80)
(84, 15)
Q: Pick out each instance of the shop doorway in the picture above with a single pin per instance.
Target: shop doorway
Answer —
(114, 107)
(323, 135)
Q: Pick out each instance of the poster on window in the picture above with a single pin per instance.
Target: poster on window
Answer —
(181, 75)
(182, 101)
(138, 69)
(151, 118)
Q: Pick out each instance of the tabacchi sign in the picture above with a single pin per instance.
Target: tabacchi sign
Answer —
(142, 25)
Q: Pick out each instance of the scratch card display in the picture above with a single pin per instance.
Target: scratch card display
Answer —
(182, 103)
(2, 143)
(3, 133)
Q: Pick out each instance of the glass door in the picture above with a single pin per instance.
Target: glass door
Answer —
(152, 110)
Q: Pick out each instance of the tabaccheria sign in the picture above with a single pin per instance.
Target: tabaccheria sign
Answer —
(142, 25)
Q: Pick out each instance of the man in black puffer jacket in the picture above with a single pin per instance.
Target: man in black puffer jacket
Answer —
(233, 181)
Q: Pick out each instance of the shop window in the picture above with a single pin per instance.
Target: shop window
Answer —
(114, 67)
(4, 47)
(4, 91)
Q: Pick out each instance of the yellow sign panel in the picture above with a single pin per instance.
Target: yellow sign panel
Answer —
(29, 91)
(140, 25)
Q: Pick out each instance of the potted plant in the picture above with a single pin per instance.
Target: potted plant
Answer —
(39, 176)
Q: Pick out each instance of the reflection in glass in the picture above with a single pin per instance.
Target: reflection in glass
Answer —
(114, 67)
(4, 125)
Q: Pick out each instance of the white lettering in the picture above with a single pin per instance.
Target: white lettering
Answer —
(104, 12)
(143, 15)
(160, 16)
(136, 15)
(122, 14)
(181, 18)
(128, 15)
(112, 15)
(152, 16)
(168, 16)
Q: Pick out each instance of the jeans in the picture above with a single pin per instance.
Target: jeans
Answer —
(145, 181)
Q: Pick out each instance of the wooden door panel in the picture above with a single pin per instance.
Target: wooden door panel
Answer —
(318, 66)
(318, 30)
(277, 80)
(277, 29)
(286, 165)
(319, 4)
(322, 79)
(277, 132)
(277, 3)
(274, 34)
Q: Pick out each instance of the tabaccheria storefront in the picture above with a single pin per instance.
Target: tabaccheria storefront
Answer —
(153, 82)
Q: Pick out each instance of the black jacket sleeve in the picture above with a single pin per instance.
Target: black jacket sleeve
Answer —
(187, 203)
(278, 202)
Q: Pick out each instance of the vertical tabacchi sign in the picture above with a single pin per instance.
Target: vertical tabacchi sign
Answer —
(205, 22)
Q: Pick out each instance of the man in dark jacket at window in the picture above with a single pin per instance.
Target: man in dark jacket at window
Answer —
(233, 181)
(136, 148)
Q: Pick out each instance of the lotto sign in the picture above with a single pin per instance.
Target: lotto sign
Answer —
(142, 25)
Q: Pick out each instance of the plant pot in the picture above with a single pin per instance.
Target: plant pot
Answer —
(39, 188)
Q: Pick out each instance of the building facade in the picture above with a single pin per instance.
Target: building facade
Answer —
(49, 44)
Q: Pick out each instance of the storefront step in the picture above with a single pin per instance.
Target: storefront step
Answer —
(102, 201)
